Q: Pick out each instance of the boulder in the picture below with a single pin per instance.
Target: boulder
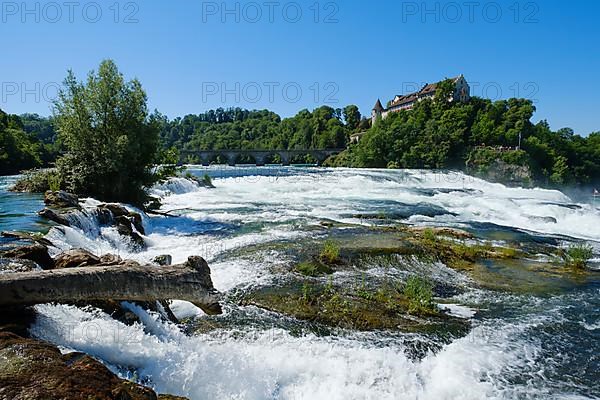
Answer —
(137, 222)
(32, 369)
(125, 228)
(35, 252)
(116, 210)
(110, 259)
(164, 259)
(17, 320)
(61, 199)
(9, 265)
(76, 258)
(54, 217)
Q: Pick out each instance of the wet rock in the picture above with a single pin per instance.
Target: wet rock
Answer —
(36, 253)
(110, 259)
(442, 231)
(61, 199)
(53, 216)
(16, 320)
(125, 228)
(116, 210)
(27, 236)
(31, 369)
(170, 397)
(136, 221)
(10, 265)
(164, 259)
(76, 258)
(547, 220)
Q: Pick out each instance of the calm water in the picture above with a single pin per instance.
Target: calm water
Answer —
(542, 342)
(18, 211)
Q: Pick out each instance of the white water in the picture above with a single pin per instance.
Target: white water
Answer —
(272, 364)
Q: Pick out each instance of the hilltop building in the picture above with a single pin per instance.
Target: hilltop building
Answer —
(462, 93)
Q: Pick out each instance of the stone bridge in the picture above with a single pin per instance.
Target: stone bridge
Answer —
(260, 156)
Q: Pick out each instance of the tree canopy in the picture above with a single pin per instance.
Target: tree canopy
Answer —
(110, 140)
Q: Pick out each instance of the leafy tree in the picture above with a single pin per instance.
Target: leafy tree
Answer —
(110, 139)
(18, 149)
(352, 117)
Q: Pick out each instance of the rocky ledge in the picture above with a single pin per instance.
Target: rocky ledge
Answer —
(32, 369)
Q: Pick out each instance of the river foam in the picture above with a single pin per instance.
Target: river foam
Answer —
(502, 358)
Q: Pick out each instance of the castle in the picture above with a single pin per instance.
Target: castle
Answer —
(462, 93)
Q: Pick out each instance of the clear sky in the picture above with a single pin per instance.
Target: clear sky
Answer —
(194, 55)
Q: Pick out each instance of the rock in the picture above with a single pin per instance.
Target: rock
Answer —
(136, 221)
(36, 253)
(170, 397)
(76, 258)
(110, 259)
(548, 220)
(16, 320)
(10, 265)
(502, 172)
(164, 259)
(125, 228)
(442, 231)
(116, 210)
(61, 199)
(53, 216)
(27, 236)
(32, 369)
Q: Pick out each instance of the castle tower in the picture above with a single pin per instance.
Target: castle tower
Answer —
(377, 111)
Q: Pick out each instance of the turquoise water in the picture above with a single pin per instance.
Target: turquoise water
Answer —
(18, 211)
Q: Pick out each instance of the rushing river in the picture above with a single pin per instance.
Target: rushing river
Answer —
(539, 345)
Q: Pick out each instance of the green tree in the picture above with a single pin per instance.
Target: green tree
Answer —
(110, 139)
(560, 171)
(352, 117)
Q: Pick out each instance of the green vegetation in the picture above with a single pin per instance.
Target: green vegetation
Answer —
(110, 140)
(313, 268)
(437, 134)
(20, 149)
(578, 255)
(481, 136)
(235, 128)
(38, 181)
(207, 180)
(338, 307)
(455, 253)
(330, 252)
(419, 293)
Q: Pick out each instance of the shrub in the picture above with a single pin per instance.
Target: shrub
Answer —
(330, 252)
(578, 255)
(419, 293)
(38, 181)
(429, 234)
(309, 268)
(207, 180)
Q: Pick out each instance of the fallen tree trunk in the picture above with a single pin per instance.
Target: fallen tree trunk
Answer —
(129, 281)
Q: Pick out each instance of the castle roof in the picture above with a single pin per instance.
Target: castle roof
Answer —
(378, 106)
(428, 90)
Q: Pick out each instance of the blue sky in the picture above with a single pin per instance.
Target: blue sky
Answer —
(192, 56)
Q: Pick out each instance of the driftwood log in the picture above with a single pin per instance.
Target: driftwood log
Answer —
(190, 281)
